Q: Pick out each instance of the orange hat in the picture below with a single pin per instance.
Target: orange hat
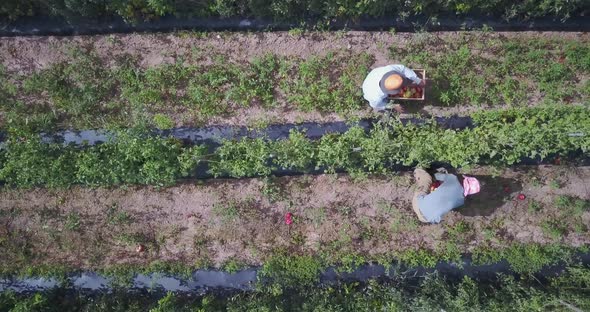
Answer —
(391, 82)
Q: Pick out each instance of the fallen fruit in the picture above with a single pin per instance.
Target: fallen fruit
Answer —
(140, 248)
(288, 218)
(521, 196)
(506, 189)
(435, 185)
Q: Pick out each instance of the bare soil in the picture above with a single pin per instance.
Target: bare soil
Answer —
(218, 221)
(25, 55)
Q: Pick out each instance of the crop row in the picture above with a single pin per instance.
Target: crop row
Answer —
(567, 292)
(492, 69)
(500, 137)
(474, 69)
(75, 10)
(85, 93)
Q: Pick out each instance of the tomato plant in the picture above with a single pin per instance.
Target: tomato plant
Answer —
(499, 137)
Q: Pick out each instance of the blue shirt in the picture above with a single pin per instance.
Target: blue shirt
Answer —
(448, 196)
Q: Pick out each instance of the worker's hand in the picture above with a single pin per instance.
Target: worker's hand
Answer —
(422, 83)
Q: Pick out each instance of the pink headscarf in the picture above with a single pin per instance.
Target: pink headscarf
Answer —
(470, 186)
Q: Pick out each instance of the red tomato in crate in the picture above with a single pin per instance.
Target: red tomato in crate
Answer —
(435, 185)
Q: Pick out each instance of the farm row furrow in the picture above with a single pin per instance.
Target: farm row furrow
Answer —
(178, 80)
(319, 181)
(336, 220)
(434, 293)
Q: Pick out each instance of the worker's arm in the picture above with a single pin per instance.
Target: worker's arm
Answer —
(442, 177)
(408, 73)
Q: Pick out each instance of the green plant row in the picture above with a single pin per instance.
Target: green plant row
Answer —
(484, 68)
(568, 292)
(130, 159)
(283, 270)
(500, 137)
(86, 93)
(76, 10)
(475, 68)
(291, 271)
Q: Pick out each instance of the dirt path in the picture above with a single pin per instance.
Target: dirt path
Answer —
(28, 54)
(242, 220)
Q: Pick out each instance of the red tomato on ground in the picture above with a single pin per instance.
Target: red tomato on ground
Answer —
(288, 218)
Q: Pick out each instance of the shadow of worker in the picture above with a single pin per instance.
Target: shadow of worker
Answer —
(494, 192)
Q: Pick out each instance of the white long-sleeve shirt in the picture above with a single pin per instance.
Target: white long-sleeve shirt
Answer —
(372, 91)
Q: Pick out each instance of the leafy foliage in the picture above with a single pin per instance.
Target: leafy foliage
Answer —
(500, 137)
(87, 93)
(291, 271)
(131, 158)
(486, 69)
(432, 293)
(321, 83)
(138, 10)
(475, 68)
(242, 158)
(296, 153)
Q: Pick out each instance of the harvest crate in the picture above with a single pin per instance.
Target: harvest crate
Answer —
(420, 73)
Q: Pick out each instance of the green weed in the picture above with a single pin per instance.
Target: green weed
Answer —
(555, 184)
(534, 206)
(497, 72)
(73, 221)
(346, 211)
(163, 122)
(115, 216)
(232, 265)
(271, 190)
(403, 224)
(292, 271)
(571, 205)
(420, 257)
(257, 83)
(319, 83)
(229, 212)
(317, 216)
(296, 32)
(386, 208)
(555, 229)
(459, 232)
(350, 262)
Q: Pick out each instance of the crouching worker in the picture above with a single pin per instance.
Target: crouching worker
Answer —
(433, 200)
(387, 80)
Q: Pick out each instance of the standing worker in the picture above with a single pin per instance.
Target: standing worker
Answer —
(387, 80)
(431, 206)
